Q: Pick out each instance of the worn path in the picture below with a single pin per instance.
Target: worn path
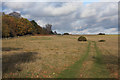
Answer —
(89, 66)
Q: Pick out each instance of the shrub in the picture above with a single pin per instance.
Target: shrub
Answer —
(101, 41)
(58, 34)
(66, 34)
(101, 34)
(82, 38)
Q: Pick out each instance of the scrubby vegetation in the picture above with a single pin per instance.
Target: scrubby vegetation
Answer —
(12, 26)
(82, 38)
(101, 41)
(101, 34)
(66, 34)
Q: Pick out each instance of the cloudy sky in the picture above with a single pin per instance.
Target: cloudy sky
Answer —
(73, 17)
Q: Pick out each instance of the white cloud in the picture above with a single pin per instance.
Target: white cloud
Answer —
(111, 30)
(17, 5)
(26, 16)
(60, 0)
(88, 11)
(41, 23)
(70, 17)
(7, 11)
(65, 9)
(98, 30)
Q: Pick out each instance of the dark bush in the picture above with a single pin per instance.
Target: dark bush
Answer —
(58, 34)
(101, 41)
(82, 38)
(101, 34)
(66, 34)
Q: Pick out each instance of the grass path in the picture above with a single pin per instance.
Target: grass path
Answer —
(85, 70)
(89, 66)
(72, 70)
(98, 69)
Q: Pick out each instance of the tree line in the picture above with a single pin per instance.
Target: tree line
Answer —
(12, 26)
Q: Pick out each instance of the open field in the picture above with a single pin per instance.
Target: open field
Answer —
(60, 57)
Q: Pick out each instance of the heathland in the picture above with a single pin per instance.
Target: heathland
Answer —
(60, 56)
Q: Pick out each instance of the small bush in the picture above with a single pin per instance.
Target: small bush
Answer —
(101, 34)
(82, 38)
(58, 34)
(66, 34)
(101, 41)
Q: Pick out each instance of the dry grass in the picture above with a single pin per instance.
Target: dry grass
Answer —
(109, 49)
(54, 54)
(47, 56)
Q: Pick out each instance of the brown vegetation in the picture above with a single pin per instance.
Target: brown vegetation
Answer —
(12, 26)
(101, 41)
(47, 56)
(82, 38)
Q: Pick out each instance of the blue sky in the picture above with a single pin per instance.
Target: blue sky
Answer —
(89, 1)
(73, 17)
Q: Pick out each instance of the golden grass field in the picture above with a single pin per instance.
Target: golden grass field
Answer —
(48, 56)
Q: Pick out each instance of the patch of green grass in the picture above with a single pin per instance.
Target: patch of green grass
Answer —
(73, 69)
(98, 54)
(99, 69)
(41, 38)
(45, 38)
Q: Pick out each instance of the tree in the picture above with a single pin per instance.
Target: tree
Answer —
(38, 29)
(5, 31)
(12, 26)
(48, 28)
(55, 32)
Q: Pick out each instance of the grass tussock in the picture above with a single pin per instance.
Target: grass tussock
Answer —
(101, 41)
(82, 38)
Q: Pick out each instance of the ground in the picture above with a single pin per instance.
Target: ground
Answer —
(60, 57)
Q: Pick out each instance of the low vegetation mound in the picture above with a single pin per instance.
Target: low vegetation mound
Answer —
(101, 41)
(82, 38)
(101, 34)
(66, 34)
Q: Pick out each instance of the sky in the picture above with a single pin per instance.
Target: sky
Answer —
(83, 17)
